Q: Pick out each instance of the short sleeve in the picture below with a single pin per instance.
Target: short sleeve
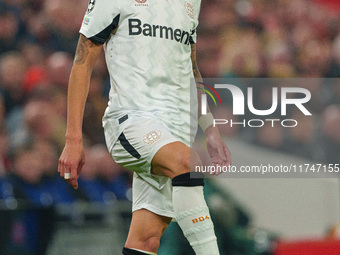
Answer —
(101, 18)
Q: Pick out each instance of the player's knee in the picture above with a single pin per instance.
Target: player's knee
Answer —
(148, 241)
(152, 244)
(184, 164)
(188, 162)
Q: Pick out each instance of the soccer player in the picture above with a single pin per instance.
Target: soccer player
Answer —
(151, 57)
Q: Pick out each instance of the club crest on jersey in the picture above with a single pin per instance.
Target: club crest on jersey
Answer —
(189, 9)
(152, 137)
(141, 3)
(91, 6)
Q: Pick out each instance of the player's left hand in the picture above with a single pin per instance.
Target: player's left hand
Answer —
(218, 150)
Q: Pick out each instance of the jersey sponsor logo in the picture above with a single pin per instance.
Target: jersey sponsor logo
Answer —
(189, 9)
(152, 137)
(91, 6)
(137, 28)
(141, 3)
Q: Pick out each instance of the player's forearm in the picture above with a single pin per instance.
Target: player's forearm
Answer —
(200, 87)
(79, 84)
(77, 94)
(206, 121)
(198, 77)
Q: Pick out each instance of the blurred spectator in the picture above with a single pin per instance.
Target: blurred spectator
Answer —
(42, 122)
(35, 182)
(330, 135)
(4, 160)
(47, 151)
(33, 53)
(270, 136)
(332, 92)
(34, 76)
(9, 29)
(64, 19)
(314, 59)
(12, 70)
(102, 180)
(59, 66)
(300, 140)
(26, 176)
(112, 176)
(53, 96)
(334, 69)
(2, 109)
(45, 103)
(94, 110)
(315, 86)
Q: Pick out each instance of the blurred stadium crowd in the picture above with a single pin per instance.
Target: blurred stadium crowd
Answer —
(37, 41)
(237, 38)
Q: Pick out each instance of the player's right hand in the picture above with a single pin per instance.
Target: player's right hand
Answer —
(71, 162)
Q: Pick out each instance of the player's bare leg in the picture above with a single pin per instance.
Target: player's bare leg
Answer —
(192, 214)
(145, 232)
(174, 160)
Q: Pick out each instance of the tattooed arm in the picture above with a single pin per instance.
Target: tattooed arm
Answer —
(72, 158)
(218, 150)
(198, 77)
(195, 69)
(86, 55)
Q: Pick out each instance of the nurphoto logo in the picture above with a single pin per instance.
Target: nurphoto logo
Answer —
(280, 100)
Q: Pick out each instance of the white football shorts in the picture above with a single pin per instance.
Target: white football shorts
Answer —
(135, 148)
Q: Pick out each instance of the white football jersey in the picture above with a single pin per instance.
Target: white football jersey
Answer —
(147, 50)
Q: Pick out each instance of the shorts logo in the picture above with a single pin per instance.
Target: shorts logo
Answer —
(141, 3)
(200, 219)
(152, 137)
(91, 6)
(189, 9)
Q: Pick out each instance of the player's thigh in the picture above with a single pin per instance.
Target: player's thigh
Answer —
(146, 230)
(139, 142)
(174, 159)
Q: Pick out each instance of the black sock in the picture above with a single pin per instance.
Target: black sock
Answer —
(127, 251)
